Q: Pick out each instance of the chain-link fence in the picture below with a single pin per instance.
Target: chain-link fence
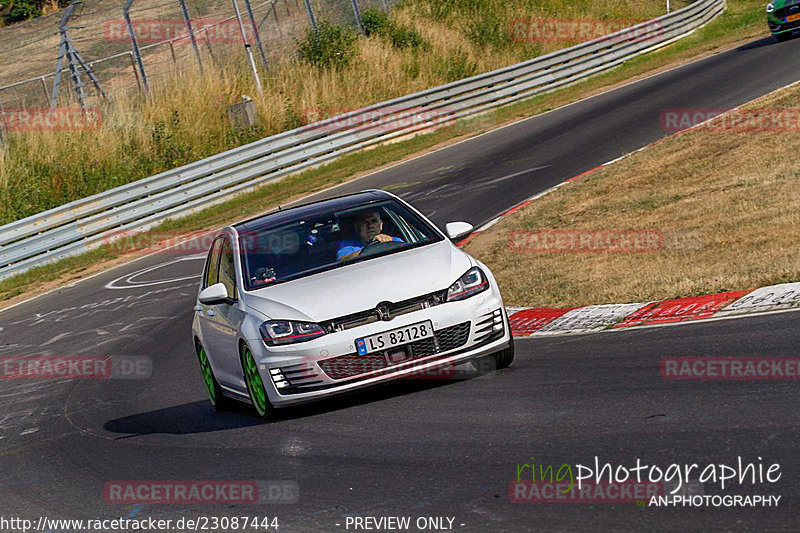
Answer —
(92, 39)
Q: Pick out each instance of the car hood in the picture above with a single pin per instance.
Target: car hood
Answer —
(362, 286)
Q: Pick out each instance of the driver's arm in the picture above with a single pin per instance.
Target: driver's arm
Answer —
(349, 256)
(348, 252)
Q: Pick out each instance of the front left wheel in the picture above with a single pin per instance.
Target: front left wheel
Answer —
(505, 357)
(219, 401)
(255, 385)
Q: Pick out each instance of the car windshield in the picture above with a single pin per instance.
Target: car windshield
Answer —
(330, 239)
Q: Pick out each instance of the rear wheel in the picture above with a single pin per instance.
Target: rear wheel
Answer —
(215, 396)
(255, 386)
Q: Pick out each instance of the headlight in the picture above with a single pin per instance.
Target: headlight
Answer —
(470, 284)
(279, 332)
(770, 7)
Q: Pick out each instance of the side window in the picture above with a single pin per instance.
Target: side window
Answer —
(212, 264)
(227, 272)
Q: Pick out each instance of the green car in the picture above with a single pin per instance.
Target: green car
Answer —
(783, 17)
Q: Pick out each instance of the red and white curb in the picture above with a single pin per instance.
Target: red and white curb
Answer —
(542, 321)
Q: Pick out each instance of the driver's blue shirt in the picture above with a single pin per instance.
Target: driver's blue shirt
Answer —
(351, 247)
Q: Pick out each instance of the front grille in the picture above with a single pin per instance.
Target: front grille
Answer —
(351, 365)
(369, 316)
(786, 26)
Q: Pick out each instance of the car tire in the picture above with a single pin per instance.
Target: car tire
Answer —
(505, 357)
(255, 385)
(218, 400)
(783, 36)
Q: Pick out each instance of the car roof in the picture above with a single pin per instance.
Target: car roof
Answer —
(338, 203)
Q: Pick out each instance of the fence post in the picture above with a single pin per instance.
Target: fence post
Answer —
(256, 33)
(188, 21)
(277, 22)
(135, 45)
(247, 49)
(44, 86)
(2, 121)
(135, 71)
(311, 15)
(208, 44)
(62, 53)
(357, 13)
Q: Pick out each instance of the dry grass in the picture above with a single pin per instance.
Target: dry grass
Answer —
(727, 203)
(740, 24)
(186, 118)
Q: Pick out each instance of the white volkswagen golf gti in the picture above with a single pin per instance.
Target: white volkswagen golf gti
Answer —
(324, 298)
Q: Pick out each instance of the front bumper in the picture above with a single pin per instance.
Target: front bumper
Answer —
(779, 25)
(314, 370)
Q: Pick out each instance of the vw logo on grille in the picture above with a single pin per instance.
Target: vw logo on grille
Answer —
(383, 312)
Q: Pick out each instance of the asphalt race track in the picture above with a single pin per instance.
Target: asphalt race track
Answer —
(423, 448)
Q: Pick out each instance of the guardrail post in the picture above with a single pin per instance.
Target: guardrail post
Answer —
(135, 44)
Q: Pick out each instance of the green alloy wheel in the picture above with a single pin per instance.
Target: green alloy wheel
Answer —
(255, 386)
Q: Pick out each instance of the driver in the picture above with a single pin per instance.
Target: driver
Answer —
(368, 226)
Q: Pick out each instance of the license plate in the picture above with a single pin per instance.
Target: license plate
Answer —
(394, 337)
(792, 18)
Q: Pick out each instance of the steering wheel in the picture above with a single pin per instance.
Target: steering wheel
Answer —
(377, 247)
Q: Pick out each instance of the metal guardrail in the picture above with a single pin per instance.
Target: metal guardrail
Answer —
(84, 224)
